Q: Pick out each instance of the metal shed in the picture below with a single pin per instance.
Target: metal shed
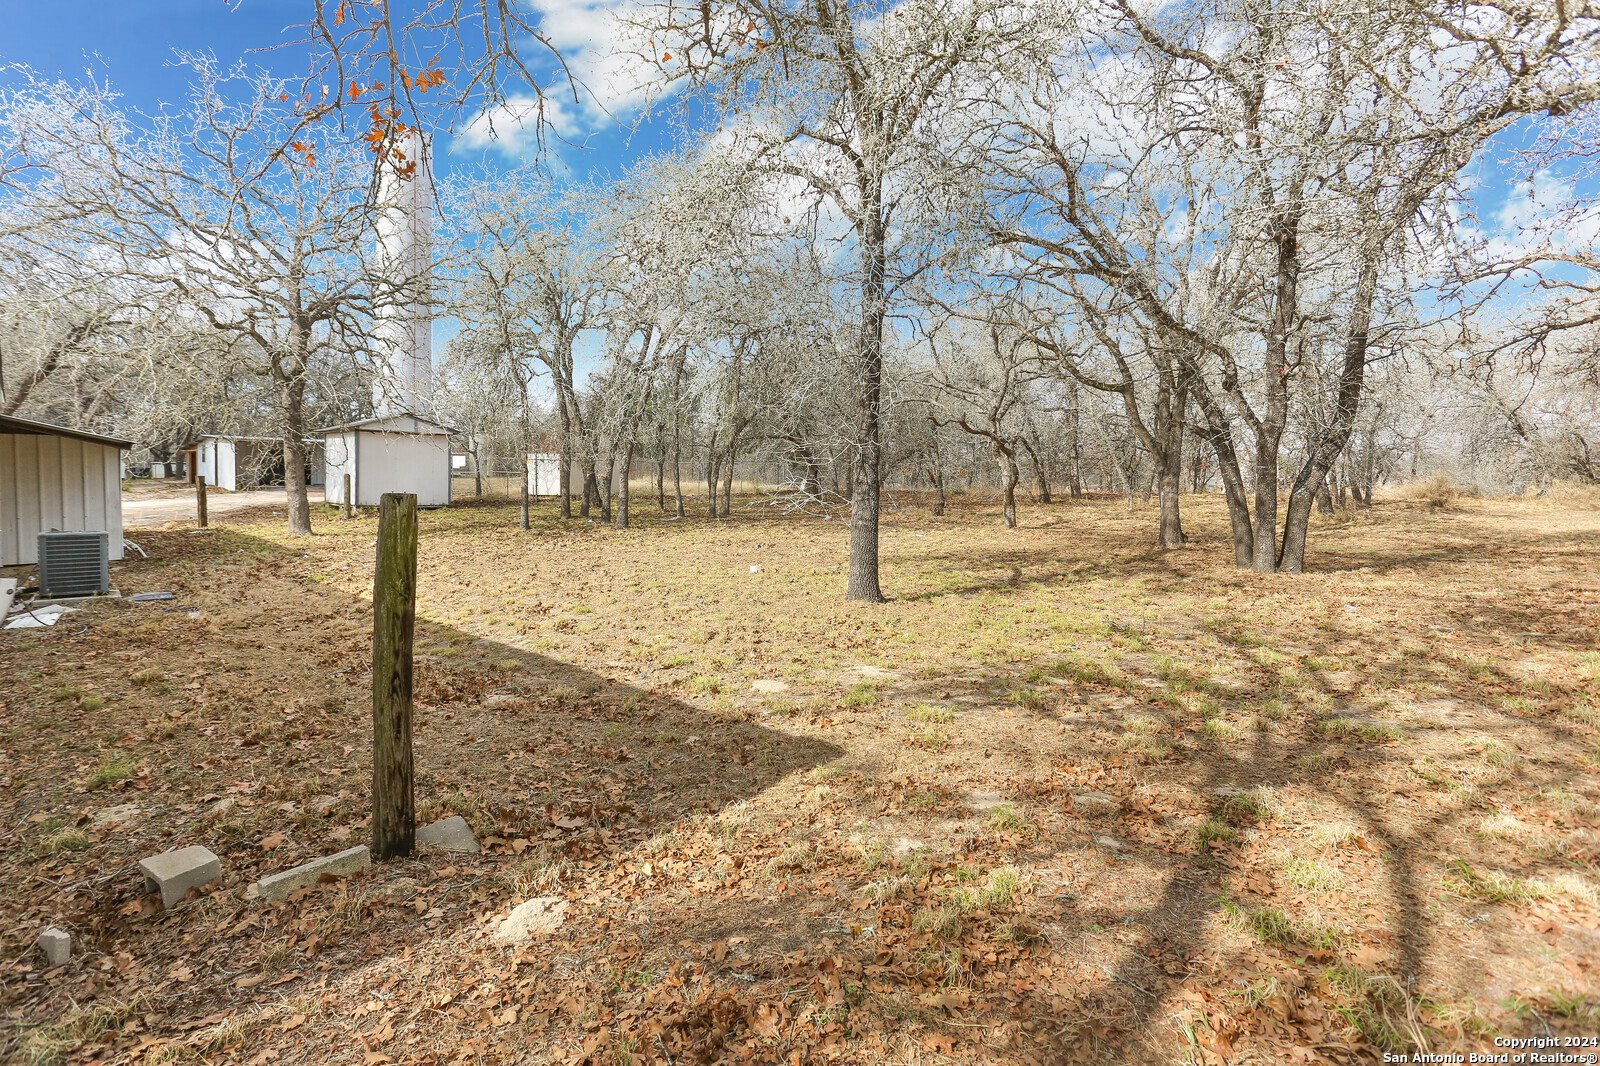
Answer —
(53, 478)
(544, 473)
(231, 462)
(400, 453)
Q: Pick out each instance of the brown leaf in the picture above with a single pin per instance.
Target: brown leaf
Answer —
(293, 1023)
(273, 841)
(765, 1019)
(719, 951)
(249, 982)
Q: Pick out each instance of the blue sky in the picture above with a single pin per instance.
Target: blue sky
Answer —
(130, 44)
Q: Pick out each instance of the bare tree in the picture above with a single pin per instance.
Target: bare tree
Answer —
(202, 209)
(845, 115)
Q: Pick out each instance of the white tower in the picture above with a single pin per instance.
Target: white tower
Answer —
(403, 357)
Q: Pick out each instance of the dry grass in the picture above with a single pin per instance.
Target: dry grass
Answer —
(1317, 783)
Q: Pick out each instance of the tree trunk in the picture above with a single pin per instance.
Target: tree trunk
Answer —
(1171, 481)
(523, 519)
(713, 472)
(1075, 486)
(811, 479)
(677, 467)
(564, 475)
(1324, 498)
(293, 392)
(661, 467)
(622, 488)
(604, 488)
(727, 484)
(1347, 403)
(866, 459)
(1214, 428)
(1009, 476)
(1040, 478)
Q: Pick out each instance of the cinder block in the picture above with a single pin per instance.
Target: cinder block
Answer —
(339, 864)
(451, 834)
(174, 873)
(56, 945)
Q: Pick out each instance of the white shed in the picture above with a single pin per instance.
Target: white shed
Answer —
(229, 462)
(400, 453)
(56, 478)
(544, 474)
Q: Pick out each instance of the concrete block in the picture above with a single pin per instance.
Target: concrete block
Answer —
(339, 864)
(56, 945)
(174, 873)
(451, 834)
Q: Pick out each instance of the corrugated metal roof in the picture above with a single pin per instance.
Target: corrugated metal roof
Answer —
(8, 424)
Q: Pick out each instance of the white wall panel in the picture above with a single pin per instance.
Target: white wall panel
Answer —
(49, 482)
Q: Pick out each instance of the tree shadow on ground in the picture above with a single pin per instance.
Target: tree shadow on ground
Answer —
(556, 767)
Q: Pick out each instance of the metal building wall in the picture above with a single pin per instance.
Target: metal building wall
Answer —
(49, 482)
(402, 462)
(338, 459)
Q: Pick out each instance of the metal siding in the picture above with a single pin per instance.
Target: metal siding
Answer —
(56, 483)
(8, 500)
(27, 467)
(93, 470)
(48, 472)
(336, 463)
(403, 462)
(227, 466)
(70, 478)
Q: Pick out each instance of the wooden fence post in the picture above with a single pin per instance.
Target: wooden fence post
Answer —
(394, 609)
(349, 504)
(200, 500)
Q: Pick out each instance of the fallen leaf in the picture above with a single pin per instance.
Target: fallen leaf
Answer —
(273, 841)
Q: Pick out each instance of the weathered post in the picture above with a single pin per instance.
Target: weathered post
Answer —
(394, 609)
(200, 500)
(349, 504)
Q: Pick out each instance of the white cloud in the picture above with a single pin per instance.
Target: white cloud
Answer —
(616, 77)
(613, 80)
(513, 127)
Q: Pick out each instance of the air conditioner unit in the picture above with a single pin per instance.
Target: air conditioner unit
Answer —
(74, 564)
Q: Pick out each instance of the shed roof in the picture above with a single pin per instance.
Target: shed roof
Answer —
(195, 442)
(8, 424)
(404, 422)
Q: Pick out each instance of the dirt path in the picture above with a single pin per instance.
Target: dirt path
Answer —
(155, 513)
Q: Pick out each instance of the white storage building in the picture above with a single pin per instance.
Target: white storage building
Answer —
(544, 474)
(53, 478)
(233, 462)
(399, 453)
